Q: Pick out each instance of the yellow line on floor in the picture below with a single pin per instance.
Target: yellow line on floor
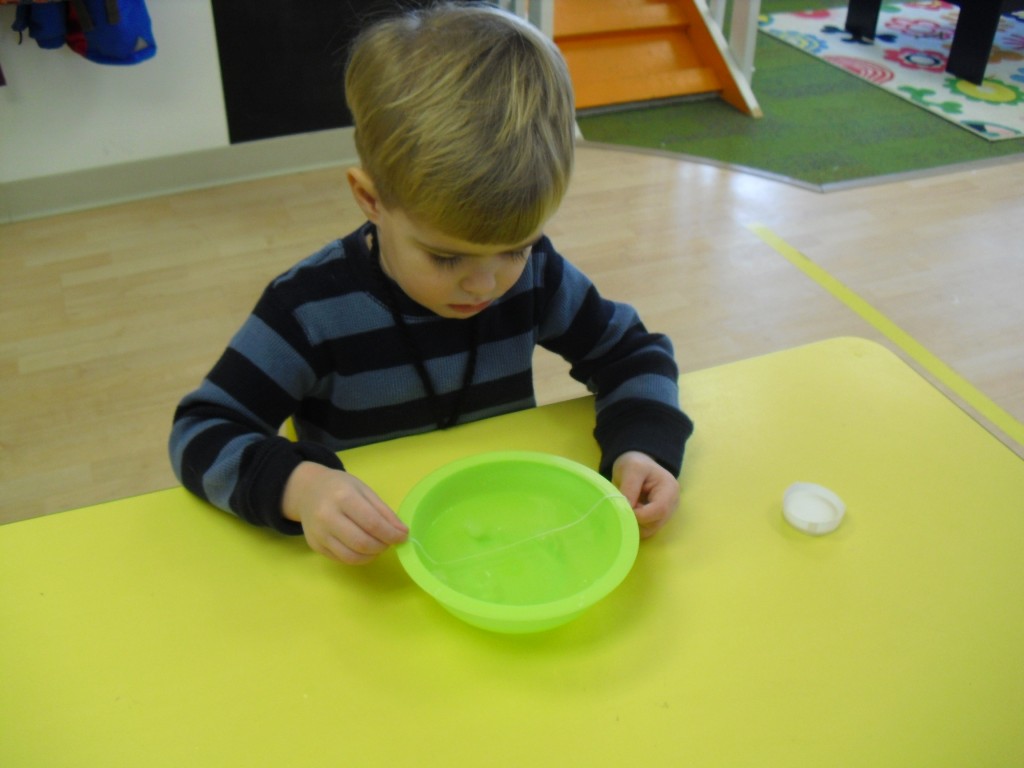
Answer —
(950, 378)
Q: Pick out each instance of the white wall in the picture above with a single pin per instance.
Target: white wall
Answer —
(61, 113)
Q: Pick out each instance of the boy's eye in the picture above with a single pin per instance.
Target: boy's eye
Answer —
(445, 262)
(450, 262)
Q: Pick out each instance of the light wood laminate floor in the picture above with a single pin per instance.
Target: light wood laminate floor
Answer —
(107, 317)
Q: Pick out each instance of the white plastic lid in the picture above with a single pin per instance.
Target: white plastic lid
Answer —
(812, 508)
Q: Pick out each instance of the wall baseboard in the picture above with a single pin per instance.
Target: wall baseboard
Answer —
(109, 185)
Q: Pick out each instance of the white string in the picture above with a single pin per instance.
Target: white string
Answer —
(527, 540)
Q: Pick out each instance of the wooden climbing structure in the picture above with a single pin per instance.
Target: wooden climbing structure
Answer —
(630, 51)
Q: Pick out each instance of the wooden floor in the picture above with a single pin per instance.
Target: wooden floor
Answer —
(108, 317)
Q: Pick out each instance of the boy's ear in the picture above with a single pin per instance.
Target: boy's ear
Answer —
(365, 193)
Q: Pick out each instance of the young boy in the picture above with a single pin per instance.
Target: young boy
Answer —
(427, 316)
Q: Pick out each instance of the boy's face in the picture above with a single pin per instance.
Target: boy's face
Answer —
(449, 276)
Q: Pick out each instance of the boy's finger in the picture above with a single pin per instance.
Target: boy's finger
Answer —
(630, 485)
(661, 505)
(646, 531)
(379, 520)
(338, 550)
(651, 513)
(353, 535)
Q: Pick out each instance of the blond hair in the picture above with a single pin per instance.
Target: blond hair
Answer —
(463, 120)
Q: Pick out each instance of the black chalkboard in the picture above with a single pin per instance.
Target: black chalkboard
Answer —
(282, 63)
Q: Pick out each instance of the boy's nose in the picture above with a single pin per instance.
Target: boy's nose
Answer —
(479, 282)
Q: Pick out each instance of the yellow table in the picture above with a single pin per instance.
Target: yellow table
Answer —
(155, 631)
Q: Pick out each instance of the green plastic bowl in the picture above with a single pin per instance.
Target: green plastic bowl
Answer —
(516, 541)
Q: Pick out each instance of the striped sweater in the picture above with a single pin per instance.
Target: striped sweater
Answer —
(322, 347)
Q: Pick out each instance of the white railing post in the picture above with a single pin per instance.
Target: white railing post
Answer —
(541, 13)
(717, 9)
(743, 34)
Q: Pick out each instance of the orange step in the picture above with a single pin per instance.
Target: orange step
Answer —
(638, 66)
(583, 17)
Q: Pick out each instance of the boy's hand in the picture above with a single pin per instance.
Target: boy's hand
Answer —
(651, 490)
(341, 516)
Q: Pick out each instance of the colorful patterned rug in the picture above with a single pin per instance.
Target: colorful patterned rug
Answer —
(908, 58)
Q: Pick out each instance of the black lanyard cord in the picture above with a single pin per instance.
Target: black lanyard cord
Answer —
(444, 421)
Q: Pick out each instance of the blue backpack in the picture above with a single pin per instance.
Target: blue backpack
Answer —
(105, 31)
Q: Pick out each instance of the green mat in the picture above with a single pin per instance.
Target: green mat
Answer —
(821, 125)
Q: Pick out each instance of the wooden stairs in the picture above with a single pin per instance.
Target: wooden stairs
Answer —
(626, 51)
